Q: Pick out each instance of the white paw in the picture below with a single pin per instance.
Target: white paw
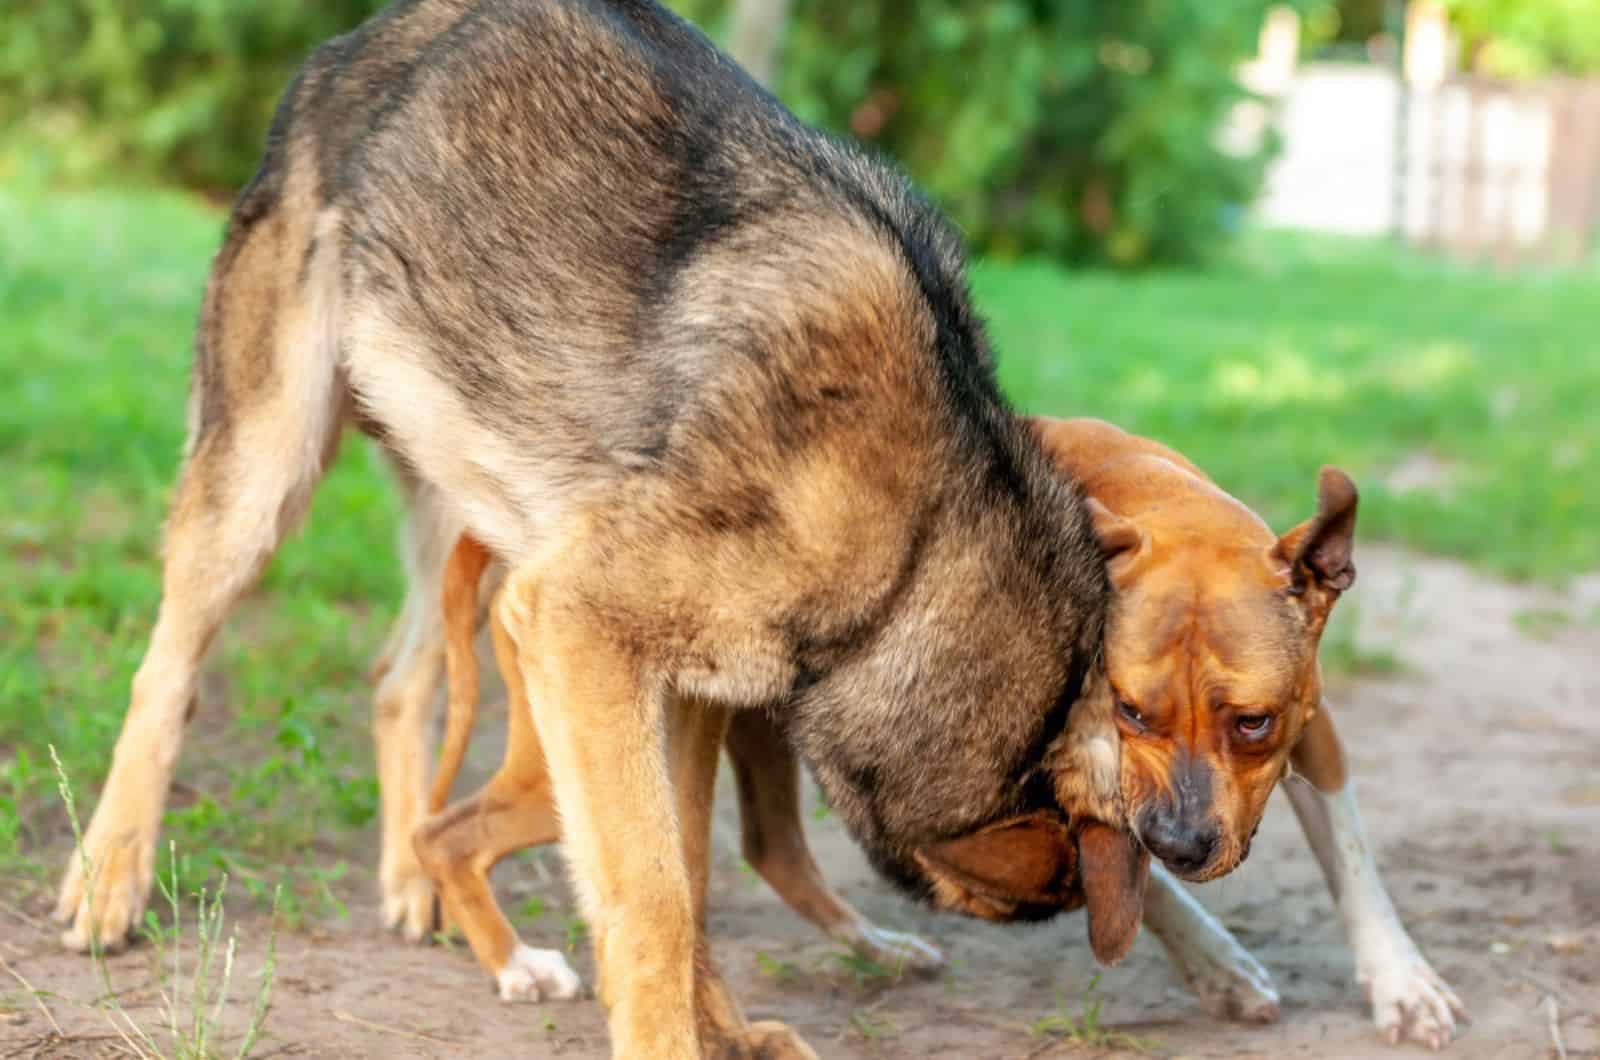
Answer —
(1230, 983)
(898, 951)
(1409, 1000)
(537, 975)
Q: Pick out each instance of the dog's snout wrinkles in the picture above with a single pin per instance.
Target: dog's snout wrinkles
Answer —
(1185, 846)
(1181, 830)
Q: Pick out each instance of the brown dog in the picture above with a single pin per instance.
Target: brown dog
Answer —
(1208, 599)
(1211, 650)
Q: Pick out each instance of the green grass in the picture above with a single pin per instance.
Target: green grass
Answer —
(1290, 354)
(98, 296)
(1298, 352)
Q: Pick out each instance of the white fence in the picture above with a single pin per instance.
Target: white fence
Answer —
(1509, 171)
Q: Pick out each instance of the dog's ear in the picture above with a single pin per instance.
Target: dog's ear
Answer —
(1027, 860)
(1121, 540)
(1319, 551)
(1114, 867)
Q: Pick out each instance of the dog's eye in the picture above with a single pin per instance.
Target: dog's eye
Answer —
(1130, 713)
(1253, 726)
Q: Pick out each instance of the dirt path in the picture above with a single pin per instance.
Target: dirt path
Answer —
(1479, 768)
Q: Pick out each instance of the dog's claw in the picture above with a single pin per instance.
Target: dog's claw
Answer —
(537, 975)
(1410, 1001)
(1234, 986)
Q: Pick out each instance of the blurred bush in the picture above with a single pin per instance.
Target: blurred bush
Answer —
(180, 89)
(1529, 38)
(1083, 129)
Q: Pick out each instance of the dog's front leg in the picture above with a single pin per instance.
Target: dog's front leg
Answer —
(1408, 997)
(768, 776)
(600, 712)
(696, 736)
(1229, 982)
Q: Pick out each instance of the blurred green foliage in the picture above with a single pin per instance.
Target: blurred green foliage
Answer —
(1529, 38)
(1080, 128)
(180, 89)
(1084, 129)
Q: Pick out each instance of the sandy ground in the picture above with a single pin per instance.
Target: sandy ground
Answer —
(1479, 771)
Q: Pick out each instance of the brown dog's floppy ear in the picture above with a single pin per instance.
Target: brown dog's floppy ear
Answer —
(1025, 860)
(1320, 549)
(1120, 539)
(1114, 867)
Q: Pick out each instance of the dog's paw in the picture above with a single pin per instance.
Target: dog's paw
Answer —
(105, 912)
(537, 975)
(1410, 1002)
(1243, 993)
(1229, 982)
(763, 1040)
(897, 951)
(408, 899)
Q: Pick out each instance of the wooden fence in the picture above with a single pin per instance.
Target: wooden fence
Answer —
(1501, 171)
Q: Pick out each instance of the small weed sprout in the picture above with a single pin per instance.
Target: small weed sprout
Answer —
(193, 1013)
(1085, 1029)
(577, 933)
(779, 970)
(872, 1026)
(865, 970)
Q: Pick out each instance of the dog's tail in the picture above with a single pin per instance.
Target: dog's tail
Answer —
(462, 573)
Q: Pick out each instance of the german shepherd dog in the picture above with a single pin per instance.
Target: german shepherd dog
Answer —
(709, 383)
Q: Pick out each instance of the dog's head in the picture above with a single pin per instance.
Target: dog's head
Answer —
(933, 734)
(1211, 654)
(1082, 853)
(969, 743)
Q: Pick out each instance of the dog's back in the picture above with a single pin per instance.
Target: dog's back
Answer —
(611, 244)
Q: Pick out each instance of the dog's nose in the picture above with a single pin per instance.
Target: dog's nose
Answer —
(1185, 847)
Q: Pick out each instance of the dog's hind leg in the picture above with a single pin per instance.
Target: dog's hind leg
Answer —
(1409, 999)
(404, 708)
(265, 412)
(459, 847)
(768, 777)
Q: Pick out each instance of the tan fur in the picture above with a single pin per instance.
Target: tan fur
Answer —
(1208, 620)
(988, 875)
(1099, 777)
(463, 572)
(293, 411)
(707, 382)
(517, 809)
(1181, 518)
(1089, 762)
